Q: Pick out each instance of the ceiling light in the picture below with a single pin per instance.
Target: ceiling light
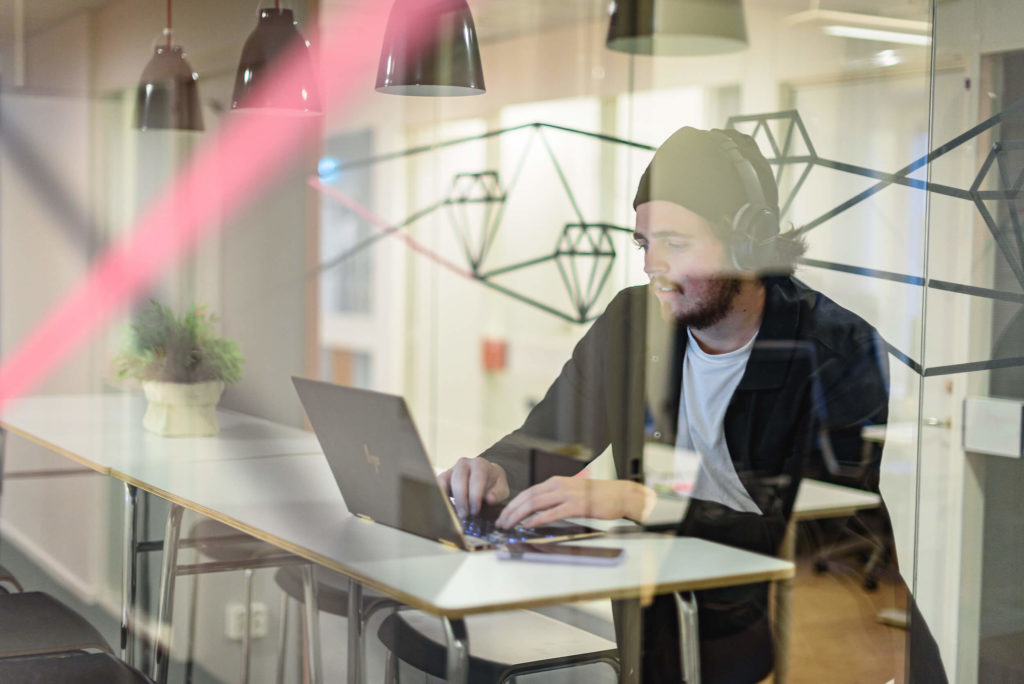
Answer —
(877, 34)
(274, 34)
(168, 95)
(866, 26)
(430, 49)
(677, 27)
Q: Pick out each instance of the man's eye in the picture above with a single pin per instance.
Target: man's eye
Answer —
(640, 245)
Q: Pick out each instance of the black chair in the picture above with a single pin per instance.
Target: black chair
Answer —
(852, 461)
(8, 581)
(503, 645)
(70, 668)
(34, 623)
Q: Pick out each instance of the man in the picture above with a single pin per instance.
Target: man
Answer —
(724, 354)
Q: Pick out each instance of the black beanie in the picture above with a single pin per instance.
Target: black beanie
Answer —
(693, 169)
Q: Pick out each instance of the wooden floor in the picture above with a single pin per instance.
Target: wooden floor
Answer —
(836, 636)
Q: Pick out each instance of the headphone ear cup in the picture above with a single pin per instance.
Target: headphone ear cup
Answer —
(754, 230)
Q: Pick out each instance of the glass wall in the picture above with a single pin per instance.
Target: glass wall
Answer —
(456, 250)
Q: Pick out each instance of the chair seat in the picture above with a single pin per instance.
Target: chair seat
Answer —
(73, 668)
(224, 543)
(331, 589)
(500, 644)
(34, 623)
(8, 581)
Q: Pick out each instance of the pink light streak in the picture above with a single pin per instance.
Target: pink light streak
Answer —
(222, 175)
(385, 227)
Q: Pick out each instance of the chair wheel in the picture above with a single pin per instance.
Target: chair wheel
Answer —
(820, 567)
(870, 583)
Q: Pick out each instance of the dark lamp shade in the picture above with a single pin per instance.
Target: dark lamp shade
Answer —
(274, 34)
(430, 49)
(168, 96)
(677, 27)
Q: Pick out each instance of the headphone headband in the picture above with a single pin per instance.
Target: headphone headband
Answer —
(755, 225)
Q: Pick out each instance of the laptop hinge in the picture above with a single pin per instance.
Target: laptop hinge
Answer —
(448, 543)
(364, 517)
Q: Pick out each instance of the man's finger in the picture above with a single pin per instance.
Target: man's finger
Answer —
(445, 480)
(479, 476)
(545, 517)
(498, 487)
(510, 514)
(528, 503)
(459, 486)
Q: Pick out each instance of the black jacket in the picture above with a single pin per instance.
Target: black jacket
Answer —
(816, 375)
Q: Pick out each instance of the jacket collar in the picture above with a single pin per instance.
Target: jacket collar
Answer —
(774, 346)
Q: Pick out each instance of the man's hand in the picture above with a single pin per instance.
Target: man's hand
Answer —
(472, 480)
(573, 497)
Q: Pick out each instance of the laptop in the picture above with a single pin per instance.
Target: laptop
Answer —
(384, 474)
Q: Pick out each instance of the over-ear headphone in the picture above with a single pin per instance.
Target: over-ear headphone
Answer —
(755, 226)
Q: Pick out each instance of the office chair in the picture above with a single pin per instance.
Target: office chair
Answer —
(8, 581)
(43, 641)
(503, 645)
(851, 461)
(70, 668)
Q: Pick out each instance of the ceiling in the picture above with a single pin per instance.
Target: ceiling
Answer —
(495, 19)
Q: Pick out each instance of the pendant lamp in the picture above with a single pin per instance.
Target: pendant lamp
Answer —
(677, 27)
(168, 96)
(274, 34)
(430, 49)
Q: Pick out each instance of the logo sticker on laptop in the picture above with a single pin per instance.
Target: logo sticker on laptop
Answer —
(372, 460)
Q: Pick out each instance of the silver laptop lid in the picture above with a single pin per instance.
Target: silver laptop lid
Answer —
(378, 459)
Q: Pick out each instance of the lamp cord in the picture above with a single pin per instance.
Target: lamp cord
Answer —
(167, 29)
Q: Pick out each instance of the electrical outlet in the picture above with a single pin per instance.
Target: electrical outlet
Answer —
(234, 621)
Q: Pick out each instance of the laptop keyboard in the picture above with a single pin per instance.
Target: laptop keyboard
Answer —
(483, 527)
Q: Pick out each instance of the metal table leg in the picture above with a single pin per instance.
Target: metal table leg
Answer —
(458, 650)
(355, 632)
(628, 635)
(689, 646)
(784, 607)
(129, 572)
(312, 618)
(167, 574)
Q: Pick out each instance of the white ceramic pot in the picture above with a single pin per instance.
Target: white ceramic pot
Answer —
(182, 410)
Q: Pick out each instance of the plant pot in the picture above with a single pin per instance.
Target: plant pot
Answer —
(178, 409)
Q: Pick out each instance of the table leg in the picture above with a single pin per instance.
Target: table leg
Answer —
(784, 607)
(167, 575)
(247, 628)
(628, 635)
(458, 650)
(129, 571)
(355, 632)
(312, 618)
(689, 647)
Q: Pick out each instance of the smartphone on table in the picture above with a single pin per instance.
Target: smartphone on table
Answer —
(562, 553)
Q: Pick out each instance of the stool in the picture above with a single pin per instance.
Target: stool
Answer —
(72, 668)
(254, 555)
(222, 543)
(504, 645)
(329, 593)
(33, 623)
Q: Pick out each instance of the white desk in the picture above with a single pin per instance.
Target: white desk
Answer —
(292, 502)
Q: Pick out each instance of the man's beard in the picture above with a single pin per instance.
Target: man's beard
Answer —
(719, 299)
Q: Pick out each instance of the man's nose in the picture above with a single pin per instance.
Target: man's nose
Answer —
(653, 263)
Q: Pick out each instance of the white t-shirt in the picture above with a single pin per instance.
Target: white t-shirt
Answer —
(709, 381)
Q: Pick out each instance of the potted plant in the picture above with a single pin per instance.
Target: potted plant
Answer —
(183, 365)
